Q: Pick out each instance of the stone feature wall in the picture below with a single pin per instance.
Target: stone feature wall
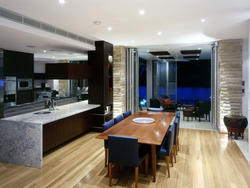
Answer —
(230, 80)
(119, 96)
(63, 84)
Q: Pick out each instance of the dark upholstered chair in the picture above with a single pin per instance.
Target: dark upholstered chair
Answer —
(204, 108)
(155, 109)
(105, 127)
(155, 103)
(124, 151)
(168, 107)
(166, 148)
(188, 113)
(178, 115)
(126, 114)
(176, 122)
(118, 119)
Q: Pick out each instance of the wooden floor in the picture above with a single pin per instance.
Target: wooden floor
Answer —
(206, 159)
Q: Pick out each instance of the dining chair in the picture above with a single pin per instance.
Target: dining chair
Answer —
(166, 148)
(105, 127)
(155, 109)
(124, 151)
(176, 136)
(126, 114)
(118, 119)
(178, 125)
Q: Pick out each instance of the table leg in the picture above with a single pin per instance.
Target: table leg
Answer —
(153, 153)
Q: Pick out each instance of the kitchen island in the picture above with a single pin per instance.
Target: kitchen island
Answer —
(22, 137)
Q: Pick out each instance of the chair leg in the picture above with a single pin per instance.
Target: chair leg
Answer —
(110, 173)
(106, 157)
(146, 166)
(178, 144)
(174, 154)
(171, 156)
(136, 176)
(167, 160)
(175, 147)
(141, 168)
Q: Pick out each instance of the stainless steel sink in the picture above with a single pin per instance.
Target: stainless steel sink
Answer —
(39, 113)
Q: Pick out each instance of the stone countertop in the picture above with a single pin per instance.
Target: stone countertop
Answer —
(63, 112)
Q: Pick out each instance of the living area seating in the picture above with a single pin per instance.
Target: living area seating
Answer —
(155, 109)
(204, 109)
(124, 151)
(167, 107)
(188, 113)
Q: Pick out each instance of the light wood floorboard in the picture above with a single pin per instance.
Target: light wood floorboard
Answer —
(207, 159)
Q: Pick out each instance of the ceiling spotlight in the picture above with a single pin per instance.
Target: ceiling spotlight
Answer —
(132, 41)
(109, 28)
(44, 50)
(202, 20)
(97, 22)
(196, 59)
(53, 57)
(199, 48)
(159, 33)
(142, 12)
(62, 1)
(147, 50)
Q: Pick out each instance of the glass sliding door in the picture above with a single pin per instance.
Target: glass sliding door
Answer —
(132, 80)
(214, 68)
(165, 79)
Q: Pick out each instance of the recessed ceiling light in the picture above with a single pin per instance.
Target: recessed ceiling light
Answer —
(142, 12)
(62, 1)
(199, 48)
(44, 50)
(109, 28)
(196, 59)
(132, 41)
(147, 50)
(159, 33)
(53, 57)
(202, 20)
(97, 22)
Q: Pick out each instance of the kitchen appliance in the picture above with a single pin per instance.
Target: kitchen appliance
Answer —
(24, 83)
(9, 91)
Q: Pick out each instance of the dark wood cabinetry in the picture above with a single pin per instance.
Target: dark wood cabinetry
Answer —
(18, 64)
(68, 71)
(58, 132)
(25, 96)
(101, 86)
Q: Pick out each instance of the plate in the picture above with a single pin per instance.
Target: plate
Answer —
(143, 120)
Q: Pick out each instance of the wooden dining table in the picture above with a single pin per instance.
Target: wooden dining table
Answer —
(147, 133)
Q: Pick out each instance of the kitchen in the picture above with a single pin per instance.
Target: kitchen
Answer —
(36, 132)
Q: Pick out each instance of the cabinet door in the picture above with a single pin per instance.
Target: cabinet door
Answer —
(10, 63)
(24, 96)
(25, 65)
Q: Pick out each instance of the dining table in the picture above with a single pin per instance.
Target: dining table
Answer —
(148, 132)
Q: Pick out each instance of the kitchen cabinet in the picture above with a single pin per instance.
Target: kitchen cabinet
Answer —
(68, 71)
(60, 131)
(39, 76)
(18, 64)
(101, 86)
(25, 96)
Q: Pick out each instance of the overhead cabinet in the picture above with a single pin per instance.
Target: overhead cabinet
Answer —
(68, 71)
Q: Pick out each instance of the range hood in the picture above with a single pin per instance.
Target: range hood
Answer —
(68, 71)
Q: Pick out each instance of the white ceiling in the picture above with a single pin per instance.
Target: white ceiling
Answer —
(179, 21)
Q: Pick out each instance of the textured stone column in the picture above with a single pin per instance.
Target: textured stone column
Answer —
(230, 80)
(63, 84)
(119, 100)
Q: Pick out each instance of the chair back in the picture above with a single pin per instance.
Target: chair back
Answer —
(169, 142)
(123, 150)
(155, 103)
(176, 122)
(178, 115)
(118, 119)
(204, 107)
(126, 114)
(155, 109)
(105, 127)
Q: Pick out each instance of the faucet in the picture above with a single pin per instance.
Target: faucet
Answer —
(51, 103)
